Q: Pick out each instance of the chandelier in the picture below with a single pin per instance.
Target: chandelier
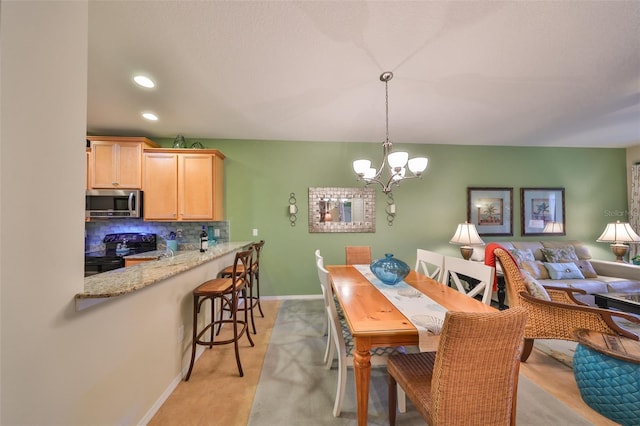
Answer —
(397, 162)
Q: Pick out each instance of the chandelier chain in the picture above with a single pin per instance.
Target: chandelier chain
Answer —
(386, 102)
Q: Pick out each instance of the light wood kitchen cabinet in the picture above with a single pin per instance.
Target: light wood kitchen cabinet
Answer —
(116, 162)
(88, 154)
(183, 186)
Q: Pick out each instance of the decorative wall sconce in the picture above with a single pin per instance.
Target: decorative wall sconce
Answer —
(293, 209)
(390, 209)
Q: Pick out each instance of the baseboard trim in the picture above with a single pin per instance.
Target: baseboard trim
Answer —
(293, 297)
(168, 391)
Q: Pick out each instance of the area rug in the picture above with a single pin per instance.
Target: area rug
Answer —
(296, 389)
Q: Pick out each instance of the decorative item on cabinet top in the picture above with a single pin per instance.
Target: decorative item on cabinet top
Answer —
(180, 143)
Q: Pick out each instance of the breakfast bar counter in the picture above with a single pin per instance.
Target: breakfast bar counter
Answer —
(101, 287)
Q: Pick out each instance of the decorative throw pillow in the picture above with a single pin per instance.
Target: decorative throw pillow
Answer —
(586, 268)
(536, 269)
(534, 287)
(563, 271)
(522, 255)
(560, 255)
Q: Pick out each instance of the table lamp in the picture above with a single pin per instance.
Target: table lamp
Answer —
(618, 233)
(465, 235)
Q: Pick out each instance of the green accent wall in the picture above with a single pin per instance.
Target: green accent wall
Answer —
(260, 175)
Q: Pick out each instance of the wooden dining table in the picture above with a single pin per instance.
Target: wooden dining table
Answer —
(375, 322)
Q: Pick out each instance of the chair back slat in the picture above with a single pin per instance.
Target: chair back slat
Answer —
(430, 263)
(457, 272)
(242, 268)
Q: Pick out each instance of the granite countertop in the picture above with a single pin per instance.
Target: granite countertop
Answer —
(126, 280)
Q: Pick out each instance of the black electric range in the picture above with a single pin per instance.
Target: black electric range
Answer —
(116, 247)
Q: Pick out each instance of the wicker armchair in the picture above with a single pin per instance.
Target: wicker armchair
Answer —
(558, 318)
(473, 377)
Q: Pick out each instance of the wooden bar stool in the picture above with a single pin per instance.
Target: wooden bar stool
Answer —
(226, 291)
(254, 281)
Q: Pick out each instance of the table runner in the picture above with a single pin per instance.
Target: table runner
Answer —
(425, 314)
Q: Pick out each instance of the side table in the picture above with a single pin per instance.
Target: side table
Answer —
(607, 371)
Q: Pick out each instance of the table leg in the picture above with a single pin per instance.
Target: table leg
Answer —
(362, 373)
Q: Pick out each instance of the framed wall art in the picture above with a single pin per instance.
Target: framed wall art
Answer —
(542, 211)
(491, 210)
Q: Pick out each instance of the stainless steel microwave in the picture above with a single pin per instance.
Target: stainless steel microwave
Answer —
(113, 203)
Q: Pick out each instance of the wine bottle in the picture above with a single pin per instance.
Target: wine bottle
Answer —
(204, 239)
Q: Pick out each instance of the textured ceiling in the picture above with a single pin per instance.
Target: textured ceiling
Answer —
(491, 73)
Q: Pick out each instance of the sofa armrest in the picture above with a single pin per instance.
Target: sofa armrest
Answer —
(616, 269)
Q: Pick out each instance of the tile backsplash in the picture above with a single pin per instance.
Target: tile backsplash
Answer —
(190, 237)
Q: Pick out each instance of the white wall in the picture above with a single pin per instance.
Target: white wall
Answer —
(106, 365)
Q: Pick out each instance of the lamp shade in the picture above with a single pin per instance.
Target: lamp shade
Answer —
(370, 173)
(418, 165)
(618, 232)
(466, 234)
(398, 159)
(361, 166)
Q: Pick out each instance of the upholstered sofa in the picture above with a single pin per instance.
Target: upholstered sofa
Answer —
(596, 276)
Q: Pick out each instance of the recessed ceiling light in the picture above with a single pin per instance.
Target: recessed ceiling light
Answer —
(144, 81)
(150, 116)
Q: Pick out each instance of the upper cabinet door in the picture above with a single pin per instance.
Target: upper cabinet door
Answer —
(195, 183)
(116, 162)
(183, 186)
(160, 186)
(117, 165)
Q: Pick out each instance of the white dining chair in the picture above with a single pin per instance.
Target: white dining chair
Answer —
(430, 263)
(343, 342)
(326, 330)
(457, 272)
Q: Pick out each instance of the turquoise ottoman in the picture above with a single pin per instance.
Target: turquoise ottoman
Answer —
(610, 385)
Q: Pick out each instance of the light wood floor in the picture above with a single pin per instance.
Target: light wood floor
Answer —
(557, 379)
(203, 401)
